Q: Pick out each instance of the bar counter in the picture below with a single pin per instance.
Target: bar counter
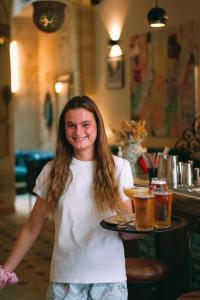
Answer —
(187, 205)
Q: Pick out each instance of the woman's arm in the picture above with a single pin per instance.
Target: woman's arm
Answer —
(27, 236)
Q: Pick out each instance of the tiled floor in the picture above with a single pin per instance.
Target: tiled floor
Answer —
(33, 271)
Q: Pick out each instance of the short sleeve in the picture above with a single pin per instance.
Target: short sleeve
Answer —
(42, 181)
(125, 179)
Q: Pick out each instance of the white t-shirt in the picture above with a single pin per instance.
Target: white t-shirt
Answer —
(84, 252)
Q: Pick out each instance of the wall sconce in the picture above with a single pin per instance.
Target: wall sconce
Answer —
(58, 87)
(48, 16)
(4, 25)
(115, 49)
(62, 83)
(157, 17)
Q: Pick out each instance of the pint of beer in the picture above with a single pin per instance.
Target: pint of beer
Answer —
(158, 183)
(131, 191)
(144, 210)
(163, 206)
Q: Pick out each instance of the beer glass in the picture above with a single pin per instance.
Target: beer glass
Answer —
(144, 210)
(163, 206)
(158, 183)
(130, 191)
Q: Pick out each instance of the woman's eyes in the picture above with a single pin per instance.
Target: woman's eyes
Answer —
(84, 125)
(70, 126)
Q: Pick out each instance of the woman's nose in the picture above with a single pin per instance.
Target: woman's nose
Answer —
(78, 130)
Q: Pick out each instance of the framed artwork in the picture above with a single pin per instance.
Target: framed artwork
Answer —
(115, 72)
(162, 66)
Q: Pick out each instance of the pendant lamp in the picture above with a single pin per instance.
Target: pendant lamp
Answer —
(48, 16)
(157, 17)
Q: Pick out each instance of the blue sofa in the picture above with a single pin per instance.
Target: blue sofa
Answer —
(28, 164)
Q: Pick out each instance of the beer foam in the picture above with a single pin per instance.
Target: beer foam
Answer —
(130, 192)
(157, 192)
(158, 181)
(143, 196)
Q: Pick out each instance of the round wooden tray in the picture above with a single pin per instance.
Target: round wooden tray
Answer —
(176, 223)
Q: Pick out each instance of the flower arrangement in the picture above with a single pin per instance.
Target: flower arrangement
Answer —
(131, 131)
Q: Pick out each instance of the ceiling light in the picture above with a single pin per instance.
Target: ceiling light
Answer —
(48, 16)
(157, 17)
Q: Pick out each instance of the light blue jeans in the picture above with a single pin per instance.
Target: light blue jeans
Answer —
(96, 291)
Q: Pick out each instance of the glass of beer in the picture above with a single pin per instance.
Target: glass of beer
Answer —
(163, 206)
(130, 191)
(144, 209)
(158, 183)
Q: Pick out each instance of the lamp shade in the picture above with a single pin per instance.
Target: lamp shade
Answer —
(48, 16)
(157, 17)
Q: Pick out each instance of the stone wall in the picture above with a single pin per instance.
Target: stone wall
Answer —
(6, 121)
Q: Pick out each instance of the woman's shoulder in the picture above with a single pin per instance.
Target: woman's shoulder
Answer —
(45, 171)
(48, 166)
(120, 162)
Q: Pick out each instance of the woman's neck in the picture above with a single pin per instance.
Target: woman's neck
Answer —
(84, 156)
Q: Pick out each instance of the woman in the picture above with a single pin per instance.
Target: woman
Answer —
(79, 188)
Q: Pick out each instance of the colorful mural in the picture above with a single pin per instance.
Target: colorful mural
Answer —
(163, 79)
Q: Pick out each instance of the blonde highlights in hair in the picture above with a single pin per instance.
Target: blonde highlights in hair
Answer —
(105, 185)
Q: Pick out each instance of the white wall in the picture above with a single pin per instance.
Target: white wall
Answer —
(115, 104)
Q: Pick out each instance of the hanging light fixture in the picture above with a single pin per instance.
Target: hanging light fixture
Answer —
(4, 25)
(157, 16)
(48, 16)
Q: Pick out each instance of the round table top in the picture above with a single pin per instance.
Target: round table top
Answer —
(176, 223)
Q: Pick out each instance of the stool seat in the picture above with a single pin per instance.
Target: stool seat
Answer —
(145, 270)
(190, 296)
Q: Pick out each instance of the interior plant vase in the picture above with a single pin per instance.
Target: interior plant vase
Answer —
(132, 151)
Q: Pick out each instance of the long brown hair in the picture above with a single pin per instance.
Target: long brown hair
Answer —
(105, 185)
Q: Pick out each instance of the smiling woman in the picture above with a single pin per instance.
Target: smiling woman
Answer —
(79, 188)
(81, 131)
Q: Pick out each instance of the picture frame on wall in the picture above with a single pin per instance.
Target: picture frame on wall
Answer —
(115, 72)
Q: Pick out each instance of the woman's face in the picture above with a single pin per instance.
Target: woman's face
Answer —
(81, 132)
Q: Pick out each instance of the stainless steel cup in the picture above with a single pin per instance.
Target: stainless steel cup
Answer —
(188, 173)
(172, 174)
(197, 176)
(180, 173)
(162, 166)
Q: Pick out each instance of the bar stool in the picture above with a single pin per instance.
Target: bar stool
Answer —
(145, 272)
(190, 296)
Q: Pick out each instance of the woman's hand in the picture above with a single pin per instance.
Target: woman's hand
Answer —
(7, 277)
